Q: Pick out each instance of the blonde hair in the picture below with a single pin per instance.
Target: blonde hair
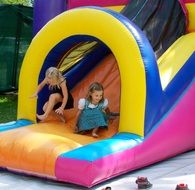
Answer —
(54, 74)
(96, 86)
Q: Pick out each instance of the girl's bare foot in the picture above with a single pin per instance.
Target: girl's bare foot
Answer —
(95, 135)
(41, 117)
(94, 132)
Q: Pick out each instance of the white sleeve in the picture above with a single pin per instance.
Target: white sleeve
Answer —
(81, 104)
(105, 104)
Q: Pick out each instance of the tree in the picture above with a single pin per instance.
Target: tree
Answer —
(21, 2)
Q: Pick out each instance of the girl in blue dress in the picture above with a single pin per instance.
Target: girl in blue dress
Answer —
(92, 114)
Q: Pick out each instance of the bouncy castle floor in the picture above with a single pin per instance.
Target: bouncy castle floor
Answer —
(163, 175)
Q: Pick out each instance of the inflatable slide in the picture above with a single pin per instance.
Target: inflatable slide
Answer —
(155, 96)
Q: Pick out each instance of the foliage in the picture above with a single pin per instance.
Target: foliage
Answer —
(8, 108)
(21, 2)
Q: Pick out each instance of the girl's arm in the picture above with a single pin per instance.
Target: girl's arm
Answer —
(105, 107)
(76, 120)
(39, 88)
(77, 116)
(81, 105)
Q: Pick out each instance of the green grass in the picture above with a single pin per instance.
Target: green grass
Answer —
(8, 108)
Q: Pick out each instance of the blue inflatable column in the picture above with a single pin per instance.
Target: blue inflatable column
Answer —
(45, 11)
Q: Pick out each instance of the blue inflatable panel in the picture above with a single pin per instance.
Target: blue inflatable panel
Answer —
(117, 143)
(14, 124)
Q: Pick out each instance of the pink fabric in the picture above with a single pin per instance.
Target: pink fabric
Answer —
(189, 1)
(174, 135)
(64, 171)
(182, 3)
(91, 173)
(102, 3)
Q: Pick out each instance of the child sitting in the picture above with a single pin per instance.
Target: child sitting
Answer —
(91, 114)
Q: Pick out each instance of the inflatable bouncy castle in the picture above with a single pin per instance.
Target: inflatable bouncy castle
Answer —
(143, 54)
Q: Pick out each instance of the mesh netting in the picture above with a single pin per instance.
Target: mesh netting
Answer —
(15, 37)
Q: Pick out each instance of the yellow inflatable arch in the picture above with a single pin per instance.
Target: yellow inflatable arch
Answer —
(108, 29)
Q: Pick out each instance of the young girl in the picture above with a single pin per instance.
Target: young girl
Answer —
(91, 114)
(59, 99)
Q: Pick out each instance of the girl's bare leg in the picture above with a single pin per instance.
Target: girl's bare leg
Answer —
(48, 107)
(94, 132)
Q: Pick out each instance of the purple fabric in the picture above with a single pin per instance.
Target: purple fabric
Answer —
(102, 3)
(43, 12)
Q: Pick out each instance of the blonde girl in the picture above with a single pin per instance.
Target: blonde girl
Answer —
(91, 110)
(60, 98)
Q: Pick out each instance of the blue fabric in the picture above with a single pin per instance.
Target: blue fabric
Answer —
(128, 136)
(91, 118)
(94, 151)
(78, 71)
(170, 110)
(14, 124)
(177, 88)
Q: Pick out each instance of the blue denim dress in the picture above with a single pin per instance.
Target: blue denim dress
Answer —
(91, 118)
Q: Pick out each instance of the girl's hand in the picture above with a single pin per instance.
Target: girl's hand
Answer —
(34, 96)
(76, 130)
(104, 111)
(59, 111)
